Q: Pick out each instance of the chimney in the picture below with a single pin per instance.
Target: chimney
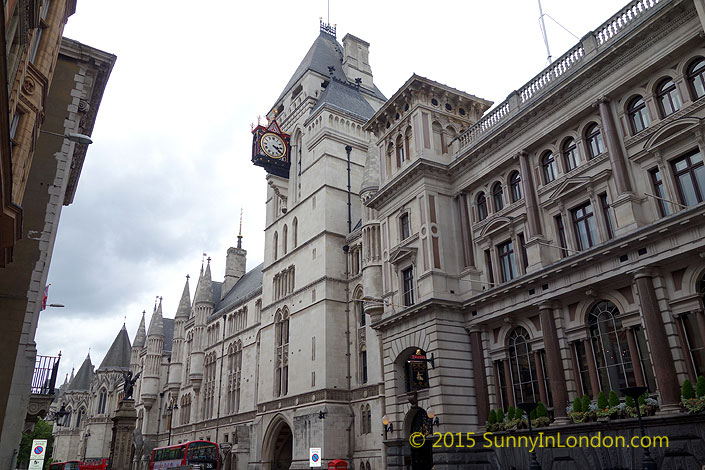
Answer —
(356, 63)
(235, 264)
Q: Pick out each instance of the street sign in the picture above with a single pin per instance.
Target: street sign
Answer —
(39, 447)
(36, 464)
(315, 460)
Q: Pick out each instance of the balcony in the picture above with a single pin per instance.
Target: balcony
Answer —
(46, 369)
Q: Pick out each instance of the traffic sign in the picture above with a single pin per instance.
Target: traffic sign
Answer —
(35, 464)
(39, 447)
(315, 460)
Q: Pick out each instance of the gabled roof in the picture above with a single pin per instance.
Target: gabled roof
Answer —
(247, 285)
(82, 380)
(118, 356)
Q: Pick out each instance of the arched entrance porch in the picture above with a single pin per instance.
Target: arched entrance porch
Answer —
(277, 449)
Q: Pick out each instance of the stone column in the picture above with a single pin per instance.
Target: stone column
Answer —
(666, 378)
(700, 317)
(614, 147)
(556, 377)
(123, 435)
(543, 396)
(478, 369)
(532, 207)
(592, 367)
(684, 347)
(634, 355)
(465, 232)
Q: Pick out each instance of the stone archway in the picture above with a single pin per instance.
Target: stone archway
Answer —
(278, 445)
(421, 457)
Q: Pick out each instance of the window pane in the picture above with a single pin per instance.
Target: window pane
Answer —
(687, 189)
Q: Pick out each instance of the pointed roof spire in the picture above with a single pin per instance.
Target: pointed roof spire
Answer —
(156, 324)
(66, 379)
(71, 379)
(83, 378)
(184, 309)
(204, 290)
(141, 335)
(118, 356)
(239, 235)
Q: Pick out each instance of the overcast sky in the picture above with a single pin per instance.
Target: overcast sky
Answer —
(170, 165)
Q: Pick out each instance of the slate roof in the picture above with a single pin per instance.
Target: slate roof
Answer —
(327, 52)
(82, 380)
(118, 356)
(346, 98)
(247, 285)
(168, 325)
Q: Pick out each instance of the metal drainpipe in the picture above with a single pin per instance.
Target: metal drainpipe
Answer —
(348, 149)
(220, 381)
(383, 396)
(351, 434)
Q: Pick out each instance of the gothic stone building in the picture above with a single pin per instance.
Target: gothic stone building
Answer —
(549, 249)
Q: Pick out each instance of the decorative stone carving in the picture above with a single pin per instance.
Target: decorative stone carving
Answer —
(28, 86)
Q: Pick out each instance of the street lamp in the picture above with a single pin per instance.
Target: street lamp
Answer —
(388, 426)
(647, 463)
(60, 415)
(528, 407)
(85, 443)
(432, 419)
(72, 136)
(169, 412)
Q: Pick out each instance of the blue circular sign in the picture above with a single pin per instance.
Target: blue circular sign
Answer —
(314, 457)
(38, 450)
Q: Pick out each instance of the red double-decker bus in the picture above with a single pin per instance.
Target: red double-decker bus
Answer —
(68, 465)
(202, 453)
(93, 464)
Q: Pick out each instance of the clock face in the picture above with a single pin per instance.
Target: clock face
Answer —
(273, 145)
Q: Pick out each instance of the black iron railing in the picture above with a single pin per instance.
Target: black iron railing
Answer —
(44, 378)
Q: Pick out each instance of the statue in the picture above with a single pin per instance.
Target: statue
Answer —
(129, 383)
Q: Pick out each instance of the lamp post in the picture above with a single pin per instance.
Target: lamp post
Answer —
(432, 419)
(647, 462)
(60, 415)
(72, 136)
(528, 407)
(85, 443)
(170, 412)
(388, 426)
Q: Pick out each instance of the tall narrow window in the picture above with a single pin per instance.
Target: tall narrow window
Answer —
(408, 285)
(481, 202)
(363, 365)
(102, 398)
(285, 235)
(638, 114)
(660, 192)
(405, 229)
(505, 252)
(522, 366)
(669, 100)
(583, 369)
(497, 197)
(570, 155)
(295, 232)
(276, 244)
(548, 163)
(610, 347)
(488, 266)
(524, 254)
(593, 138)
(560, 229)
(401, 157)
(607, 214)
(690, 178)
(696, 78)
(585, 229)
(281, 331)
(515, 186)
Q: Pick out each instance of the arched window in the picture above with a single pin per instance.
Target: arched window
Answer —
(548, 163)
(390, 156)
(295, 232)
(285, 233)
(369, 419)
(359, 308)
(497, 197)
(669, 100)
(401, 156)
(102, 398)
(593, 139)
(481, 206)
(79, 417)
(570, 155)
(276, 245)
(234, 368)
(363, 364)
(515, 186)
(407, 143)
(609, 344)
(696, 78)
(367, 464)
(438, 144)
(523, 370)
(281, 332)
(638, 114)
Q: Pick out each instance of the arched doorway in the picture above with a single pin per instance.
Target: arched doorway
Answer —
(421, 457)
(278, 445)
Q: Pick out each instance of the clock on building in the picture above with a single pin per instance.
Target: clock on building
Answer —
(271, 149)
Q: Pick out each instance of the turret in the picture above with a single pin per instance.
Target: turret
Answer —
(203, 307)
(153, 359)
(137, 346)
(356, 60)
(177, 349)
(235, 265)
(372, 259)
